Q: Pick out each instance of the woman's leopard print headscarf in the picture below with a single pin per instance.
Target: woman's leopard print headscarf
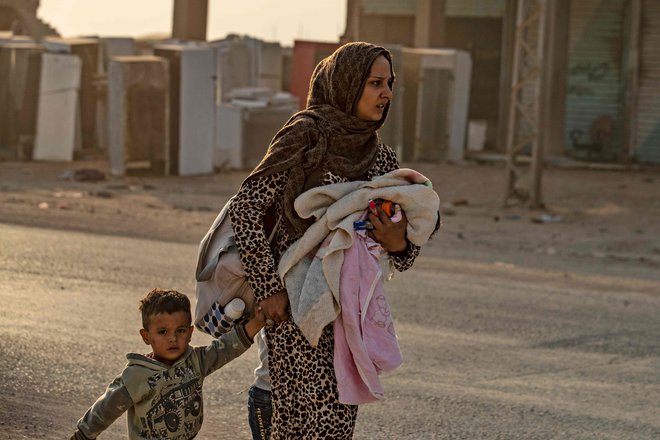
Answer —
(326, 135)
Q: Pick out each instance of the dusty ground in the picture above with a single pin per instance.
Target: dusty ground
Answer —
(606, 224)
(604, 221)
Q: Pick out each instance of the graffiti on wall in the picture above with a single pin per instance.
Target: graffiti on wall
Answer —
(584, 73)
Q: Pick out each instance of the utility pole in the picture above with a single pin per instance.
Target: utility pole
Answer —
(524, 157)
(189, 19)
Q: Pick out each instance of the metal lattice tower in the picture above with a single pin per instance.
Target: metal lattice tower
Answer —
(524, 158)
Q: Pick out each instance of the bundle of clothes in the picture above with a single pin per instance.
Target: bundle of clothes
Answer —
(335, 273)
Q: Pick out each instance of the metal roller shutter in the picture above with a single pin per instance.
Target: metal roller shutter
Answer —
(647, 136)
(475, 8)
(595, 75)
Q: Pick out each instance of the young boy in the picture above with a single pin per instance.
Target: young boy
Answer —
(162, 391)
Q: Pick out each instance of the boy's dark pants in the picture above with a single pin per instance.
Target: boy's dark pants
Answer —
(259, 413)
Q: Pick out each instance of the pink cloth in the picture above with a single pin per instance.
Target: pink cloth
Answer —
(365, 341)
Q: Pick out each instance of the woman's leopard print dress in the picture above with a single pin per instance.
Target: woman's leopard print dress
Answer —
(304, 390)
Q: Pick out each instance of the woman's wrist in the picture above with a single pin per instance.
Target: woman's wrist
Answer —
(398, 248)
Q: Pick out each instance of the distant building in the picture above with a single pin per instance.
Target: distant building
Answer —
(20, 18)
(604, 75)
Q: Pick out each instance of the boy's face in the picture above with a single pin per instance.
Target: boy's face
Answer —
(168, 334)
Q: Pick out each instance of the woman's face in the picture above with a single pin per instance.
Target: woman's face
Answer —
(376, 93)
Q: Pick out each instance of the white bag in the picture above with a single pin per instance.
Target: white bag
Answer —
(219, 276)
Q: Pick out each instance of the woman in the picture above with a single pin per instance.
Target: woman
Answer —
(333, 140)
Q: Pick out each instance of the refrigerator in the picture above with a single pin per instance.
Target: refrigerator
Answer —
(110, 47)
(58, 131)
(245, 129)
(435, 103)
(247, 62)
(88, 50)
(138, 114)
(19, 80)
(192, 107)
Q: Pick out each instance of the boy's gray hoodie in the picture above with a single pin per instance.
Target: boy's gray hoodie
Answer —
(163, 401)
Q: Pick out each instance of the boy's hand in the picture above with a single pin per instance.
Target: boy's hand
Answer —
(390, 235)
(256, 322)
(79, 435)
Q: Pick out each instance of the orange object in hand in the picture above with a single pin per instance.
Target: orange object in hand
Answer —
(388, 208)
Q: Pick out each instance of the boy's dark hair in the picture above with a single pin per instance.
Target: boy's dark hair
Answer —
(163, 301)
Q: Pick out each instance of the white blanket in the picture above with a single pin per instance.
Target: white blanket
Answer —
(311, 272)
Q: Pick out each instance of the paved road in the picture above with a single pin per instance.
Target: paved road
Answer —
(491, 351)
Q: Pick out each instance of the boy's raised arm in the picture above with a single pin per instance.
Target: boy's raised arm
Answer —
(112, 404)
(231, 345)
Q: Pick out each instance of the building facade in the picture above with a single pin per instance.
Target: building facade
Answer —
(604, 77)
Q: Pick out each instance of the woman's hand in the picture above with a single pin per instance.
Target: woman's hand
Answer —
(390, 235)
(274, 307)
